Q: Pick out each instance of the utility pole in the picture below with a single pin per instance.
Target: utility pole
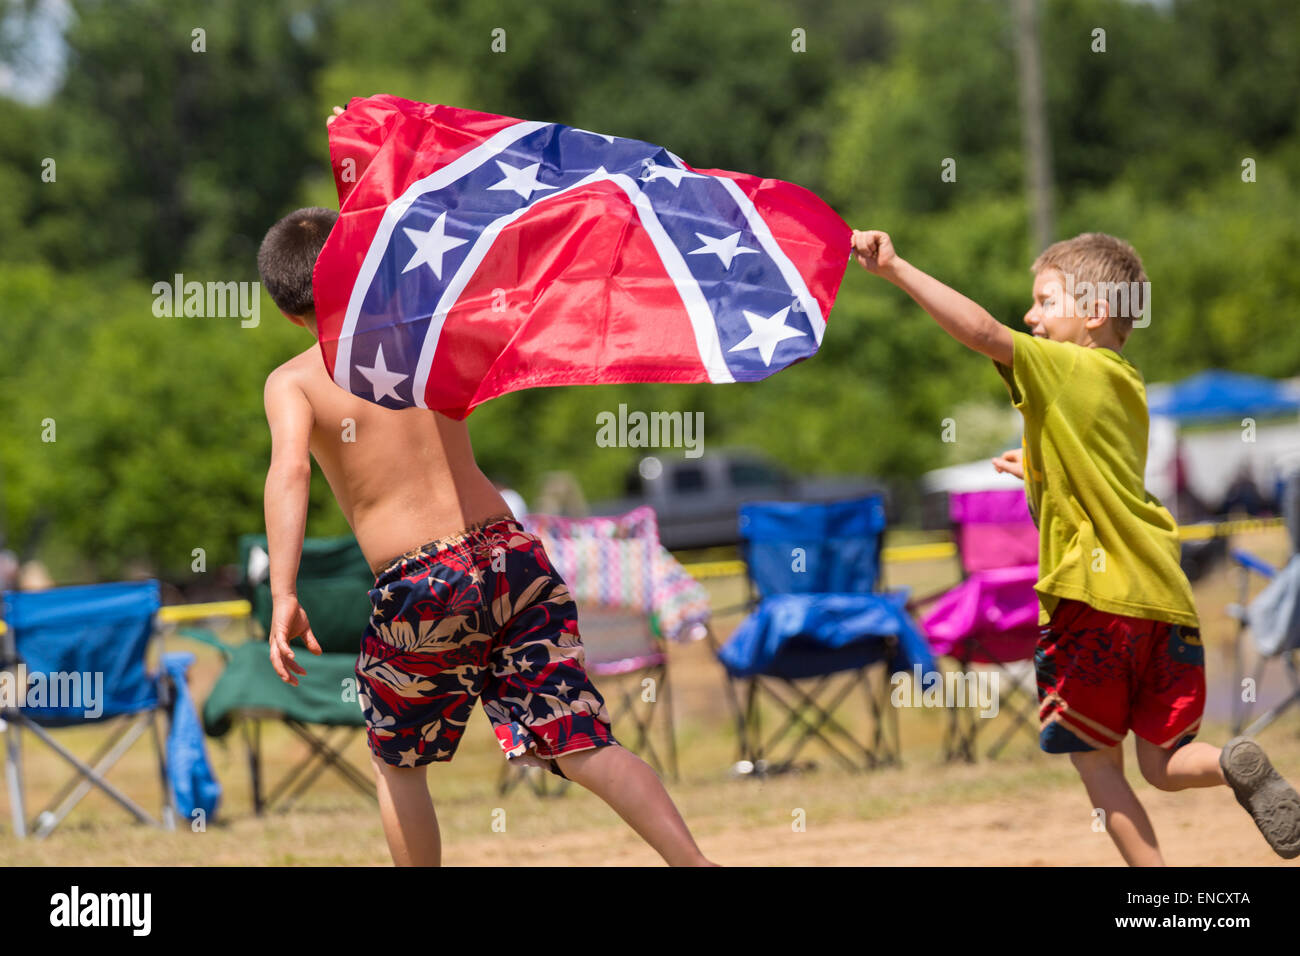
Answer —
(1033, 124)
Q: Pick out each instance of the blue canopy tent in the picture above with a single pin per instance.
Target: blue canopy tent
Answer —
(1214, 398)
(1216, 395)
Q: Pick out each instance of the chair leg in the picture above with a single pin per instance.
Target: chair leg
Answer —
(1240, 710)
(322, 755)
(672, 725)
(887, 749)
(1276, 711)
(792, 719)
(644, 745)
(959, 737)
(95, 775)
(169, 809)
(1239, 673)
(753, 723)
(509, 777)
(14, 773)
(807, 701)
(252, 730)
(737, 710)
(1018, 715)
(78, 783)
(1018, 720)
(312, 768)
(335, 759)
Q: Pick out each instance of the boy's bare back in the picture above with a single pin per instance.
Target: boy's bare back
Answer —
(403, 477)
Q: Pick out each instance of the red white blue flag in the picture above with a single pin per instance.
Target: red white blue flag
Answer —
(476, 255)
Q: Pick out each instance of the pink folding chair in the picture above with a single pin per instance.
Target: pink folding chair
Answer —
(991, 618)
(633, 597)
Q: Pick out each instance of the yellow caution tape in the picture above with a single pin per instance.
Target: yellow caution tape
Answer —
(933, 551)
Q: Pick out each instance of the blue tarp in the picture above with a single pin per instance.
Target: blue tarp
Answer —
(1216, 395)
(804, 635)
(193, 783)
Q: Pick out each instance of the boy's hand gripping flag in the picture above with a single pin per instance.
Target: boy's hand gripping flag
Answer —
(475, 255)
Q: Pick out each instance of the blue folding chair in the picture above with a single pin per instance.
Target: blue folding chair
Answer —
(820, 621)
(75, 656)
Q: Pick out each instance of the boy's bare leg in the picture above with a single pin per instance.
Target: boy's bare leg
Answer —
(1192, 765)
(406, 809)
(633, 789)
(1126, 822)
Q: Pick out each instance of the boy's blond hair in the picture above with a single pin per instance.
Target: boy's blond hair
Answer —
(1105, 263)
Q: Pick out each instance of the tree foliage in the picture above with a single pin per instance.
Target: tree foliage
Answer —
(170, 160)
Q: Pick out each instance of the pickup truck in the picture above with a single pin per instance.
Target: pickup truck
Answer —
(697, 500)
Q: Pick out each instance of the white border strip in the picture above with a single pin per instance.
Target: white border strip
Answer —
(759, 227)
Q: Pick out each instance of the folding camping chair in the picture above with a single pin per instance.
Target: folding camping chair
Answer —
(991, 618)
(1273, 619)
(632, 598)
(819, 628)
(67, 638)
(322, 711)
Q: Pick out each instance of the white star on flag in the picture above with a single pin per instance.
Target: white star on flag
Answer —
(523, 181)
(766, 333)
(726, 248)
(381, 380)
(673, 174)
(430, 246)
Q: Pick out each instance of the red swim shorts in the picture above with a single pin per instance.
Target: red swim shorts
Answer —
(1101, 675)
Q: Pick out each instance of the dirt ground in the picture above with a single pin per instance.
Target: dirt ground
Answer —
(1024, 808)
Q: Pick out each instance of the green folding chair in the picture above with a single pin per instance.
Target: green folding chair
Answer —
(322, 711)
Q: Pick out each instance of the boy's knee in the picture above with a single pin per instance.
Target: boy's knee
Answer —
(1155, 772)
(1092, 761)
(573, 764)
(1082, 761)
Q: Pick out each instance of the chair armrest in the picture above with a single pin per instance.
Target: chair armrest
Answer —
(205, 636)
(1252, 563)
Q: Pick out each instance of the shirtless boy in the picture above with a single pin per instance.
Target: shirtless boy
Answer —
(465, 604)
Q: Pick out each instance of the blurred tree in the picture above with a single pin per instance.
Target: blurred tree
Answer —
(180, 131)
(169, 160)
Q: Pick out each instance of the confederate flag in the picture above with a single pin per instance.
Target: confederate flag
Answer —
(476, 255)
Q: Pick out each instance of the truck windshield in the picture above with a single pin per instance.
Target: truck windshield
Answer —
(752, 475)
(687, 480)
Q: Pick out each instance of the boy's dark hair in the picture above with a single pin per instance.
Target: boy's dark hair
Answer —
(288, 255)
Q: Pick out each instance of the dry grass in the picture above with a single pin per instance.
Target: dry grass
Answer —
(1022, 808)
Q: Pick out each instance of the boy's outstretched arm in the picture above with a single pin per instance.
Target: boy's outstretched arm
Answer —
(288, 484)
(966, 321)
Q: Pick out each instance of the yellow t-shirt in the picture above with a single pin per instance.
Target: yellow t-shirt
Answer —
(1102, 538)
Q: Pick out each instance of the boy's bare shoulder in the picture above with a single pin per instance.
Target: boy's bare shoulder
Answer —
(294, 375)
(297, 370)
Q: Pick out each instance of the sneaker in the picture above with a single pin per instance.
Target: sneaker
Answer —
(1271, 802)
